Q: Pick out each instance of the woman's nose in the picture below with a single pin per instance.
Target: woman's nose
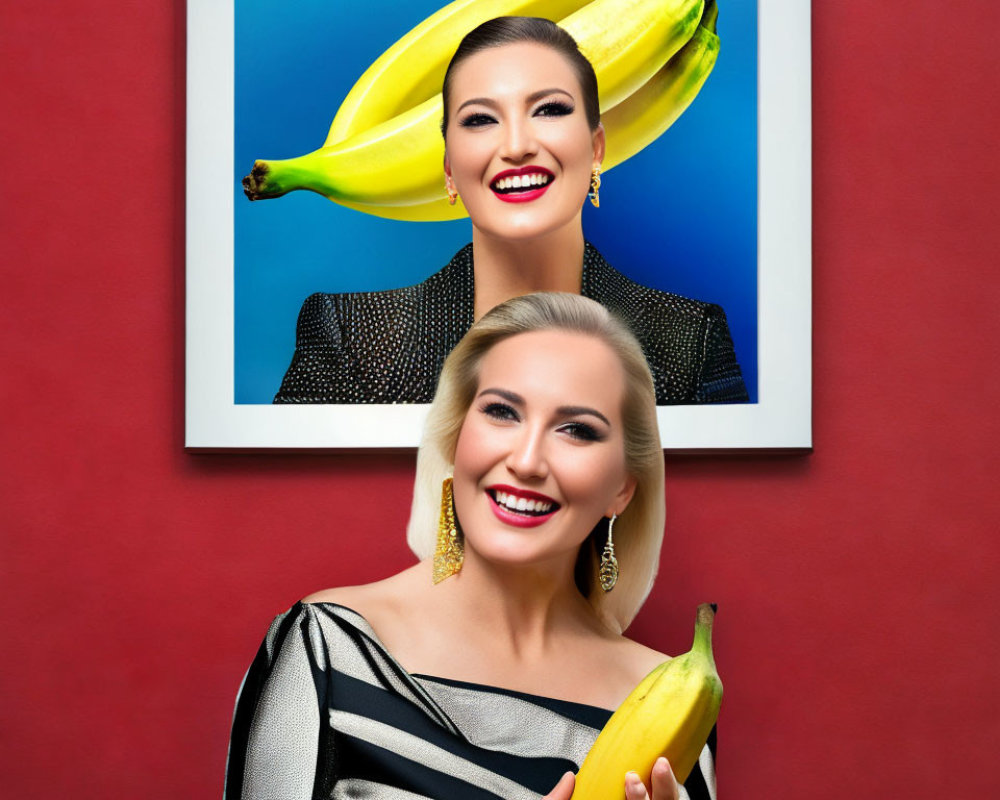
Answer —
(519, 140)
(527, 457)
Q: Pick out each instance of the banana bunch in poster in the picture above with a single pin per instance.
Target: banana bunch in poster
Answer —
(384, 149)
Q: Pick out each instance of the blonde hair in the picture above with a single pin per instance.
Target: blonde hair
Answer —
(638, 532)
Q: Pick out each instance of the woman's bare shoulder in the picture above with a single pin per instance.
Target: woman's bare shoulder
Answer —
(641, 659)
(371, 600)
(389, 606)
(618, 666)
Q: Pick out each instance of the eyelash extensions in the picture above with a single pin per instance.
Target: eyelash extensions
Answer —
(552, 108)
(576, 429)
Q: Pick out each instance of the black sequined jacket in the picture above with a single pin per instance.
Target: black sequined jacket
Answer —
(389, 346)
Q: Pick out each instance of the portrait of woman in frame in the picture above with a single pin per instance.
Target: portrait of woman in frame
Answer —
(681, 216)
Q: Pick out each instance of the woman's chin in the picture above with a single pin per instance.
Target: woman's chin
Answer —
(521, 225)
(514, 553)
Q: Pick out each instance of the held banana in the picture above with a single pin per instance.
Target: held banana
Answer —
(670, 713)
(393, 168)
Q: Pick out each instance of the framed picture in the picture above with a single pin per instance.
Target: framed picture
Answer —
(717, 208)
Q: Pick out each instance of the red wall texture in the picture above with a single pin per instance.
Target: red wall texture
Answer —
(858, 634)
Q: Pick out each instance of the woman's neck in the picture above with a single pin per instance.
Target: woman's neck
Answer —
(506, 268)
(523, 609)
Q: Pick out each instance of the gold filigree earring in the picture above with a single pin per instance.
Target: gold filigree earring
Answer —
(608, 572)
(450, 549)
(595, 185)
(452, 192)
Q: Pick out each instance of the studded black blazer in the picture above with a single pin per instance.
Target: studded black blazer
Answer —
(389, 346)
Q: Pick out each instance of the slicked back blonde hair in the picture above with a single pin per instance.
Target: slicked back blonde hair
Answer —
(638, 533)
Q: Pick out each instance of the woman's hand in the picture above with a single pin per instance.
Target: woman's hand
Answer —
(664, 785)
(564, 789)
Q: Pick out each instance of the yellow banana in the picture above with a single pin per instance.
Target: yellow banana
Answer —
(393, 169)
(412, 70)
(398, 162)
(670, 713)
(647, 113)
(627, 41)
(630, 126)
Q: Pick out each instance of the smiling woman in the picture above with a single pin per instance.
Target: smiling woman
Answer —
(523, 149)
(521, 428)
(487, 669)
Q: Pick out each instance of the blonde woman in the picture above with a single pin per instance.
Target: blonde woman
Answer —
(487, 669)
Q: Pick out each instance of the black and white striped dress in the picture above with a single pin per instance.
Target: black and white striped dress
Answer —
(326, 712)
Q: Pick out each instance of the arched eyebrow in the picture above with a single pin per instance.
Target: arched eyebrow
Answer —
(576, 411)
(512, 397)
(566, 411)
(533, 97)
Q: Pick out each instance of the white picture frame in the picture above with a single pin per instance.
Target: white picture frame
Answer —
(780, 419)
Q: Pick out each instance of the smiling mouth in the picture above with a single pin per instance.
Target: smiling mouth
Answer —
(528, 182)
(526, 506)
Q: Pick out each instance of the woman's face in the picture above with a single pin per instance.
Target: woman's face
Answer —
(540, 456)
(519, 150)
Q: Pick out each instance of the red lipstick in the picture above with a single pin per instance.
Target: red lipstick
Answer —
(511, 194)
(502, 497)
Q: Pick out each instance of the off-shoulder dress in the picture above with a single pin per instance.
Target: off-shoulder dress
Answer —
(325, 711)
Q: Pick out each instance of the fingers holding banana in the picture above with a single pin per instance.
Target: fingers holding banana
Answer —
(663, 784)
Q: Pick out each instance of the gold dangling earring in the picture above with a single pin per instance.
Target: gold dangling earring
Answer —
(595, 185)
(450, 549)
(608, 573)
(452, 192)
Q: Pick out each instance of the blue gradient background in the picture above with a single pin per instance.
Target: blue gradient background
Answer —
(680, 216)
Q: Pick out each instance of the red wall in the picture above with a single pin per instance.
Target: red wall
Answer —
(858, 626)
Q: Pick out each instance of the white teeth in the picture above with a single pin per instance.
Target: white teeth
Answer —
(522, 181)
(514, 503)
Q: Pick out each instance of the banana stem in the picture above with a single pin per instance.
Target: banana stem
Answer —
(703, 630)
(270, 179)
